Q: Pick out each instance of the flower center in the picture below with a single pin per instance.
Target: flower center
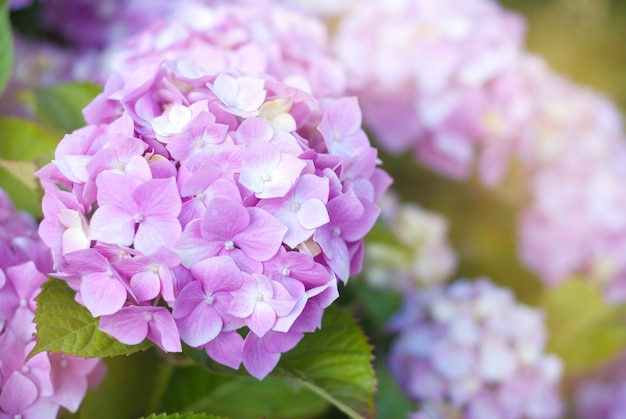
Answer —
(259, 297)
(200, 196)
(200, 143)
(154, 268)
(294, 207)
(336, 231)
(266, 177)
(23, 302)
(229, 245)
(337, 137)
(285, 271)
(138, 217)
(209, 298)
(148, 317)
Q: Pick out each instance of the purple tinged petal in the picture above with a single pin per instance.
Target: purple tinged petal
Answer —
(256, 358)
(262, 318)
(117, 190)
(158, 197)
(200, 326)
(18, 393)
(113, 225)
(191, 247)
(218, 274)
(223, 220)
(356, 229)
(226, 349)
(87, 261)
(282, 301)
(313, 214)
(155, 232)
(190, 296)
(259, 161)
(263, 237)
(145, 285)
(101, 294)
(254, 129)
(281, 342)
(128, 325)
(345, 115)
(162, 330)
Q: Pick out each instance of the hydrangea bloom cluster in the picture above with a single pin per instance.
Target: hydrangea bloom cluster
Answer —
(456, 345)
(602, 395)
(453, 81)
(193, 206)
(37, 387)
(574, 153)
(422, 69)
(419, 253)
(95, 25)
(255, 37)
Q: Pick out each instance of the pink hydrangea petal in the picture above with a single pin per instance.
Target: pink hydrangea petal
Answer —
(258, 361)
(126, 325)
(102, 295)
(18, 393)
(145, 285)
(156, 232)
(200, 326)
(312, 214)
(112, 225)
(262, 318)
(263, 237)
(226, 349)
(163, 332)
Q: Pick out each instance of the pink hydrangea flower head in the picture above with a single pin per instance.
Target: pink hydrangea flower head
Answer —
(200, 205)
(455, 346)
(250, 37)
(40, 386)
(421, 70)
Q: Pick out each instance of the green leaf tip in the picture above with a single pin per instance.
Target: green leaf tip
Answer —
(65, 326)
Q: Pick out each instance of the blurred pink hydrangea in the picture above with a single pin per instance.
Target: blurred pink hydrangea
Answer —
(96, 25)
(415, 251)
(602, 394)
(455, 345)
(194, 205)
(573, 152)
(39, 386)
(422, 71)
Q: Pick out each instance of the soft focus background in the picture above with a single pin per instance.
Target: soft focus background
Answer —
(580, 39)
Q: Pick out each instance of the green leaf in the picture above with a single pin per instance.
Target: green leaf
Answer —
(25, 140)
(183, 416)
(335, 362)
(60, 107)
(17, 179)
(194, 389)
(6, 45)
(65, 326)
(24, 148)
(584, 330)
(391, 400)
